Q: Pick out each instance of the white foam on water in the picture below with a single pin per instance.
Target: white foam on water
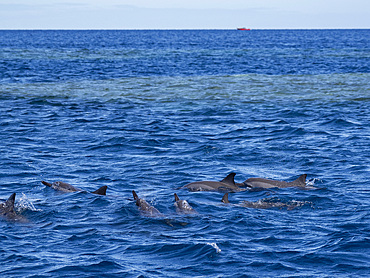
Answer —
(214, 245)
(23, 203)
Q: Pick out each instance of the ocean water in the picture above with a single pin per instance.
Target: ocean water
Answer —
(151, 111)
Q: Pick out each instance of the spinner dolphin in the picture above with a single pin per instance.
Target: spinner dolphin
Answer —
(227, 184)
(8, 212)
(66, 187)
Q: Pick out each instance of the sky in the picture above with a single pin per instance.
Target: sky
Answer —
(184, 14)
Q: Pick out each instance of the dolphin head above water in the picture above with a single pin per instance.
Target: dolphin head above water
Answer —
(183, 206)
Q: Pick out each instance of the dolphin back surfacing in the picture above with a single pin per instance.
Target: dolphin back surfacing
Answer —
(66, 187)
(268, 183)
(264, 203)
(8, 212)
(227, 184)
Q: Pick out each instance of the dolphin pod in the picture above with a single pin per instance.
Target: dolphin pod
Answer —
(182, 206)
(8, 212)
(229, 185)
(66, 187)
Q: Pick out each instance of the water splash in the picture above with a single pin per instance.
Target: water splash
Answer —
(214, 245)
(24, 203)
(312, 182)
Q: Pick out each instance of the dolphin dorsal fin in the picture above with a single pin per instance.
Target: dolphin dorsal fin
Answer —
(9, 204)
(301, 180)
(225, 198)
(135, 195)
(101, 191)
(229, 179)
(176, 197)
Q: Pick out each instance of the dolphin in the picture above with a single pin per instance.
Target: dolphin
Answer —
(227, 184)
(225, 199)
(263, 204)
(267, 183)
(7, 210)
(66, 187)
(144, 206)
(182, 206)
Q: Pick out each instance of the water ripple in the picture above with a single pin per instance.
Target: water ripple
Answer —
(151, 111)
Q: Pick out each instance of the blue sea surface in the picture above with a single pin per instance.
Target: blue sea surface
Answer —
(151, 111)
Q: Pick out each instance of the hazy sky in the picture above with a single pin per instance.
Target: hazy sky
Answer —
(183, 14)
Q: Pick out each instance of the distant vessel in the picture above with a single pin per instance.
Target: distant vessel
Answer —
(244, 29)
